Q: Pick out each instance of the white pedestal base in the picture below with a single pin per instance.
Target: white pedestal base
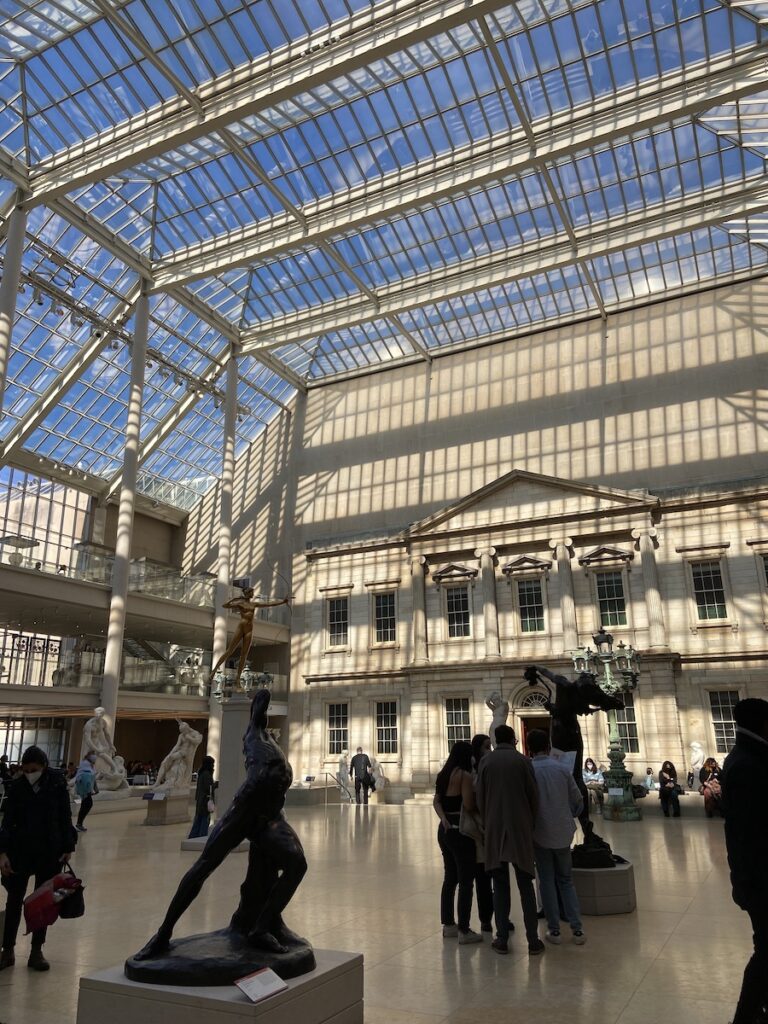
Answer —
(171, 811)
(605, 890)
(331, 994)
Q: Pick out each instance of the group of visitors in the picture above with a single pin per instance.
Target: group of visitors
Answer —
(667, 786)
(500, 810)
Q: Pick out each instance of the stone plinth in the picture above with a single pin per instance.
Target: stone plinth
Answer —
(235, 716)
(331, 994)
(171, 811)
(313, 796)
(605, 890)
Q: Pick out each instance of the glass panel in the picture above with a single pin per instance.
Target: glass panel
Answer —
(722, 703)
(457, 606)
(457, 720)
(708, 590)
(338, 728)
(531, 604)
(384, 618)
(338, 621)
(610, 599)
(386, 727)
(627, 725)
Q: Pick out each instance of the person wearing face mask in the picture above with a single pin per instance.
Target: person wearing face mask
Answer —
(36, 838)
(85, 787)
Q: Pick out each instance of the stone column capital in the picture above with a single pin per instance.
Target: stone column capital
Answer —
(418, 560)
(489, 552)
(565, 542)
(646, 531)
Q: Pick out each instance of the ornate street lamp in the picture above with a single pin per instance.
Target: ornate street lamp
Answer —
(616, 671)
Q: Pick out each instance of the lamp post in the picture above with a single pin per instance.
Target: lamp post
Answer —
(616, 672)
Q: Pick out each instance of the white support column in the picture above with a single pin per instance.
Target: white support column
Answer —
(562, 549)
(9, 289)
(646, 541)
(225, 547)
(117, 605)
(490, 611)
(419, 600)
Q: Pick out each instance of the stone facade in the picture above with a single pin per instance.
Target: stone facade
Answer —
(525, 570)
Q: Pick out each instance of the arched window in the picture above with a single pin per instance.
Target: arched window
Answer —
(533, 700)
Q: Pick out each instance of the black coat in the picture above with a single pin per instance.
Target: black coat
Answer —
(203, 791)
(744, 782)
(37, 826)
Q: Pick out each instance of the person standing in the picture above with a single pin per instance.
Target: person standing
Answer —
(36, 838)
(508, 802)
(744, 785)
(594, 781)
(560, 801)
(668, 790)
(360, 766)
(85, 788)
(5, 771)
(204, 790)
(710, 789)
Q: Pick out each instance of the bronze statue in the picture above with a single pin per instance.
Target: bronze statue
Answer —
(244, 633)
(257, 935)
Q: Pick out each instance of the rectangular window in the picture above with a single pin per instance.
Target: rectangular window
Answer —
(457, 606)
(627, 725)
(338, 728)
(386, 727)
(610, 599)
(457, 719)
(708, 590)
(722, 703)
(531, 604)
(338, 621)
(385, 624)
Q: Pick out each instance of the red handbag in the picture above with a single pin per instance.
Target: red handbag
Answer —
(42, 907)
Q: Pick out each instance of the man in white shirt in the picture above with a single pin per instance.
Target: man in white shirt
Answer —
(559, 803)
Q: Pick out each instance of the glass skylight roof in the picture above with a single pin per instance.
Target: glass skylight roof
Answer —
(337, 186)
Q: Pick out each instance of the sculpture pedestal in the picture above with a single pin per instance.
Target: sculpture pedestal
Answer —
(171, 811)
(235, 716)
(605, 890)
(331, 994)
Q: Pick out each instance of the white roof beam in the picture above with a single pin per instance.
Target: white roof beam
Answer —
(74, 369)
(672, 217)
(472, 167)
(391, 28)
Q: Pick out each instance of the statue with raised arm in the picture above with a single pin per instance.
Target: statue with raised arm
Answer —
(243, 637)
(257, 936)
(500, 709)
(573, 698)
(176, 768)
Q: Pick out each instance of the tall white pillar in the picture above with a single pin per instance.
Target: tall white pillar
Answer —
(646, 540)
(117, 605)
(9, 289)
(225, 547)
(490, 610)
(419, 601)
(562, 549)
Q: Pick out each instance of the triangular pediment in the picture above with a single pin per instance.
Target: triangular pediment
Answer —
(606, 555)
(520, 496)
(526, 563)
(452, 572)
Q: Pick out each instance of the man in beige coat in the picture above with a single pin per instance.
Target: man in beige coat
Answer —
(508, 801)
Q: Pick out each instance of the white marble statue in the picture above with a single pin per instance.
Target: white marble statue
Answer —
(343, 775)
(176, 769)
(697, 758)
(500, 709)
(379, 778)
(110, 768)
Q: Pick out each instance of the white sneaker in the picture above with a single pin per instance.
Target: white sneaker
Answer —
(554, 937)
(579, 938)
(450, 931)
(465, 938)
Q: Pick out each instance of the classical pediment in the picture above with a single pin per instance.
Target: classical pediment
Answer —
(520, 497)
(606, 556)
(526, 563)
(454, 573)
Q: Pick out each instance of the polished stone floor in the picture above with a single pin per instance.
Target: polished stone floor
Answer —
(373, 886)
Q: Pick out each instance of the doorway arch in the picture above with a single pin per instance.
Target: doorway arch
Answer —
(530, 713)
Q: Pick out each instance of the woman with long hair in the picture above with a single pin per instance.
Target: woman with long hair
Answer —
(709, 779)
(593, 780)
(668, 790)
(454, 790)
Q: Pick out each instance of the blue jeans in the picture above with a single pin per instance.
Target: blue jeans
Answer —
(200, 826)
(554, 867)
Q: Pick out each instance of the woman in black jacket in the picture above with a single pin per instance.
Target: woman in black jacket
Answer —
(668, 790)
(203, 793)
(36, 838)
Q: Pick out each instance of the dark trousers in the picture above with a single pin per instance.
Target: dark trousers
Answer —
(361, 783)
(753, 1000)
(459, 862)
(200, 825)
(16, 887)
(484, 894)
(502, 899)
(669, 798)
(85, 809)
